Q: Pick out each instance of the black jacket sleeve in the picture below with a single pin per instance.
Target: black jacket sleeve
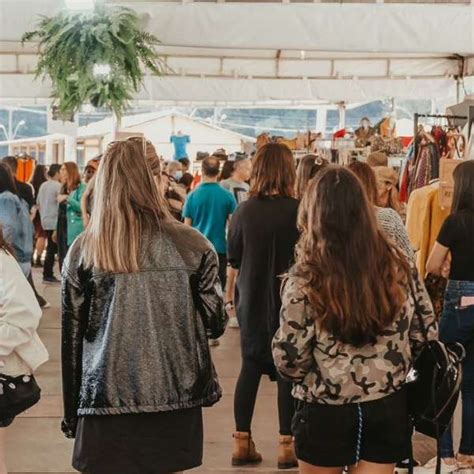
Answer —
(208, 296)
(75, 310)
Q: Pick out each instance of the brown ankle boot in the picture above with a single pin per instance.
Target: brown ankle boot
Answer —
(244, 450)
(286, 453)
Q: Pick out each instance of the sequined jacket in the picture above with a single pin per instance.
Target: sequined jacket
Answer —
(137, 343)
(327, 371)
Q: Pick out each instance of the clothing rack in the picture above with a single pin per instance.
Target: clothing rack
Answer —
(471, 122)
(436, 116)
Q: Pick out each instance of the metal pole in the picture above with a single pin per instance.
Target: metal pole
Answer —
(458, 90)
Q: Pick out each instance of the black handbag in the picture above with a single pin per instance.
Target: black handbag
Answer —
(434, 394)
(17, 394)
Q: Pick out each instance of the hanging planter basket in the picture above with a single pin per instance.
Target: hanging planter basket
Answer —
(98, 57)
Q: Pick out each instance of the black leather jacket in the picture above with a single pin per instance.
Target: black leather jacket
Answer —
(137, 343)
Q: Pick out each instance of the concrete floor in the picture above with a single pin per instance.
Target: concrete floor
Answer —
(36, 444)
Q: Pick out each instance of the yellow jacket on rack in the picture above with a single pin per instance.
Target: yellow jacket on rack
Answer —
(425, 217)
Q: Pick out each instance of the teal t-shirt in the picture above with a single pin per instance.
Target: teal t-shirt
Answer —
(209, 207)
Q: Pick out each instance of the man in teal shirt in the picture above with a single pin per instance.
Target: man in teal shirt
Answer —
(208, 209)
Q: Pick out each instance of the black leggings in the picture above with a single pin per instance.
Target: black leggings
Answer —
(246, 396)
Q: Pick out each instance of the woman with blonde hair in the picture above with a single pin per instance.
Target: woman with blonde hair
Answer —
(141, 295)
(388, 219)
(388, 194)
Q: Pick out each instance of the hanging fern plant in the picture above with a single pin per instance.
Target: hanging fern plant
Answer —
(96, 57)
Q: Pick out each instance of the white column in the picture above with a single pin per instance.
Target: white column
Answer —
(342, 115)
(70, 148)
(48, 152)
(116, 125)
(321, 119)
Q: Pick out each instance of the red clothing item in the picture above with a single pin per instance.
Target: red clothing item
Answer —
(197, 180)
(339, 134)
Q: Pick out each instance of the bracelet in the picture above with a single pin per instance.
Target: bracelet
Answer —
(229, 305)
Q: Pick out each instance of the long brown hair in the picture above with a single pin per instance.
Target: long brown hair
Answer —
(273, 172)
(463, 198)
(367, 177)
(73, 176)
(38, 177)
(7, 181)
(127, 207)
(355, 280)
(306, 171)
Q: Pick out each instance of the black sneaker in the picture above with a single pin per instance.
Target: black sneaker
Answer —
(403, 467)
(52, 279)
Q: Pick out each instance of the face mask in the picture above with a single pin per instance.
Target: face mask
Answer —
(178, 175)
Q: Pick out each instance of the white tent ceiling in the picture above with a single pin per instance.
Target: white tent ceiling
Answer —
(283, 54)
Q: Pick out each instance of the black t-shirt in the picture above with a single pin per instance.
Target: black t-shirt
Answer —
(457, 234)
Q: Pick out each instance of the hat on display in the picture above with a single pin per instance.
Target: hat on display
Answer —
(377, 158)
(386, 174)
(201, 155)
(238, 156)
(220, 154)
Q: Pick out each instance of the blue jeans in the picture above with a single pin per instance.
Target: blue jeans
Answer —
(457, 325)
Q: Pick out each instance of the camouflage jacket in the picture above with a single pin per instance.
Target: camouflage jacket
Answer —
(325, 370)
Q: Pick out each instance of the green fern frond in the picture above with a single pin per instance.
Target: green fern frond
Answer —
(70, 44)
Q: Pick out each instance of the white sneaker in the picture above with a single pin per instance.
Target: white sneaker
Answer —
(448, 465)
(214, 342)
(234, 323)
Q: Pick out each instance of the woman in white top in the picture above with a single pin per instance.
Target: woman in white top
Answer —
(21, 350)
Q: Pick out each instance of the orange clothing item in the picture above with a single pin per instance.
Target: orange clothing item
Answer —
(425, 217)
(24, 169)
(196, 181)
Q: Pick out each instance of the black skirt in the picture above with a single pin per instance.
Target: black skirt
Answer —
(148, 443)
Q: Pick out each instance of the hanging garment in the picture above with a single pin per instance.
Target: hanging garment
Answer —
(405, 174)
(426, 166)
(25, 167)
(291, 143)
(422, 170)
(425, 217)
(180, 143)
(364, 136)
(389, 146)
(262, 140)
(440, 138)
